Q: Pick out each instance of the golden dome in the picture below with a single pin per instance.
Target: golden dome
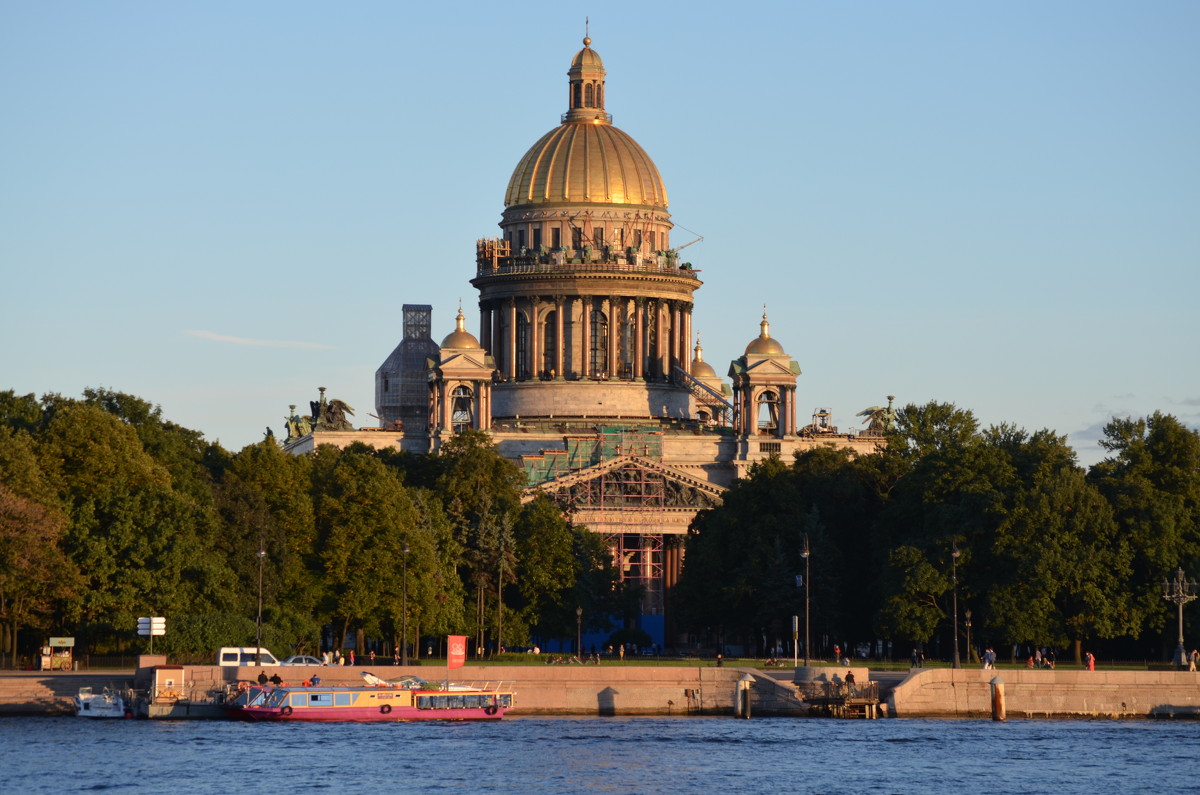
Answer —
(586, 162)
(701, 368)
(587, 57)
(763, 345)
(461, 338)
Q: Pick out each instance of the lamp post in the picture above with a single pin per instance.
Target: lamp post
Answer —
(579, 632)
(262, 554)
(967, 615)
(1179, 592)
(404, 612)
(954, 553)
(805, 554)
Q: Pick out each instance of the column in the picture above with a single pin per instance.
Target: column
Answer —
(559, 342)
(535, 338)
(613, 333)
(639, 338)
(511, 359)
(485, 328)
(585, 307)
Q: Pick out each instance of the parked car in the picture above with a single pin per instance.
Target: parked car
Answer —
(301, 659)
(245, 655)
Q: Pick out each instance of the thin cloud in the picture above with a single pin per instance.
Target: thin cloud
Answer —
(209, 335)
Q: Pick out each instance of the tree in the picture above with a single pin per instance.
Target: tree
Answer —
(34, 574)
(1060, 566)
(1152, 481)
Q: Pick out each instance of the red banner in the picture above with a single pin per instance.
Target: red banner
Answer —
(456, 651)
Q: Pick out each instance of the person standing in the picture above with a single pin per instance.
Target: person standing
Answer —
(1193, 659)
(352, 657)
(1090, 659)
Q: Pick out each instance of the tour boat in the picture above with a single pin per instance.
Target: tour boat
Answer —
(405, 699)
(107, 704)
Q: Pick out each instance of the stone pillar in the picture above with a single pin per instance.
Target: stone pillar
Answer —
(585, 306)
(639, 339)
(511, 357)
(535, 338)
(559, 342)
(613, 332)
(485, 327)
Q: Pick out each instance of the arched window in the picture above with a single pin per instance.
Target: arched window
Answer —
(599, 95)
(577, 95)
(587, 96)
(767, 412)
(462, 406)
(598, 355)
(522, 351)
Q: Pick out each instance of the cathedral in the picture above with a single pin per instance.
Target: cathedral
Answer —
(584, 370)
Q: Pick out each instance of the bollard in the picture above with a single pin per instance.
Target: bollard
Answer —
(997, 699)
(743, 696)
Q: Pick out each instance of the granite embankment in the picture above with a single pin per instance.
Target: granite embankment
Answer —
(585, 690)
(967, 693)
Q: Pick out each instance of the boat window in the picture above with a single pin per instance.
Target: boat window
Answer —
(344, 699)
(299, 699)
(321, 700)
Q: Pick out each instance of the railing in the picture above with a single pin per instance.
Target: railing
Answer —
(551, 264)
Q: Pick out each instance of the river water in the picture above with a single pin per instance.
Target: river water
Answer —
(623, 755)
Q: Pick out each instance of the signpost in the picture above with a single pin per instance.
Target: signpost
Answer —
(151, 626)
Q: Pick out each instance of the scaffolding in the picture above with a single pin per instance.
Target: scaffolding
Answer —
(401, 386)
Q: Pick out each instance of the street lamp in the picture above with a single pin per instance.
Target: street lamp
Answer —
(954, 553)
(967, 614)
(579, 632)
(1179, 592)
(805, 554)
(262, 554)
(404, 612)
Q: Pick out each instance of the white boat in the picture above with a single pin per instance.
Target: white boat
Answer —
(107, 704)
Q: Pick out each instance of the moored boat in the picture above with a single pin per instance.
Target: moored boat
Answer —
(408, 698)
(106, 704)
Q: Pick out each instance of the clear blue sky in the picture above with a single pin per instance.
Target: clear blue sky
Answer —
(220, 206)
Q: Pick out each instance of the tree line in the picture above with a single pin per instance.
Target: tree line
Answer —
(1044, 553)
(109, 512)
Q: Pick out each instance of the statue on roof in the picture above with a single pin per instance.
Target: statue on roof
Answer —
(330, 415)
(880, 419)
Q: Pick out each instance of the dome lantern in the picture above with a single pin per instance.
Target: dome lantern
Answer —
(763, 345)
(460, 338)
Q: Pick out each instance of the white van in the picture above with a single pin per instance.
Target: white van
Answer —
(245, 655)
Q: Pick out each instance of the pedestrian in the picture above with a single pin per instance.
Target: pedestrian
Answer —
(914, 658)
(352, 656)
(372, 656)
(1090, 659)
(262, 677)
(1193, 659)
(276, 680)
(621, 651)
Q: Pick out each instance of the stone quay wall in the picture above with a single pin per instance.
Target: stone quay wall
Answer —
(967, 693)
